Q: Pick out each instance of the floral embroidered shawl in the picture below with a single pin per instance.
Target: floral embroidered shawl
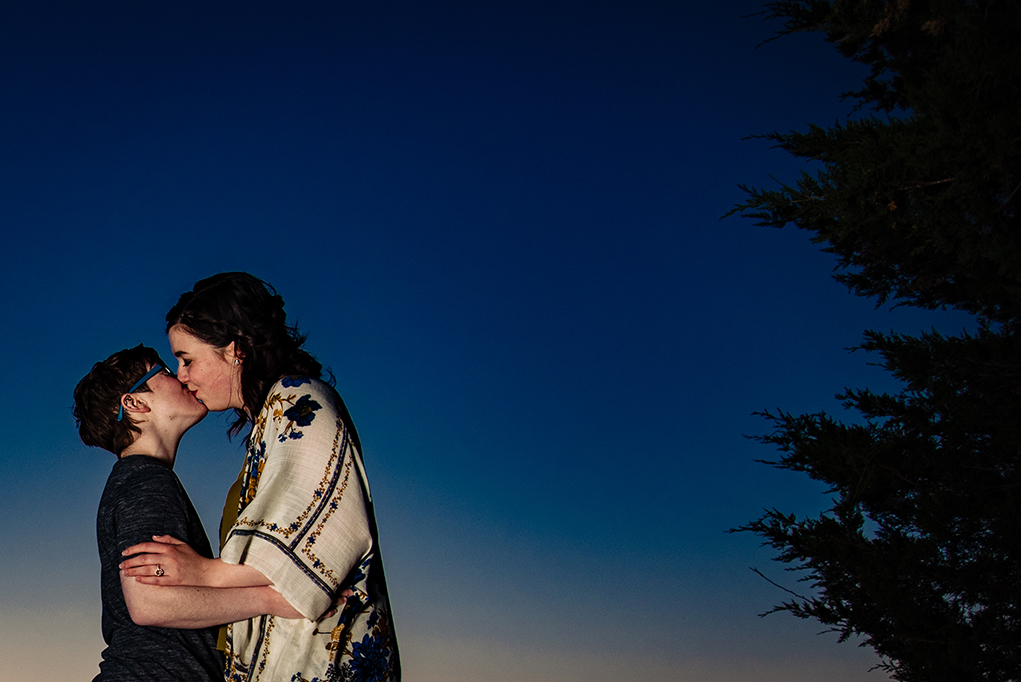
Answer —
(305, 521)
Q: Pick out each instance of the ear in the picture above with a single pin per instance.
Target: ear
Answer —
(133, 404)
(233, 355)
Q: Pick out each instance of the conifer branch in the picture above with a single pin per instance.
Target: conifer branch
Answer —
(917, 185)
(776, 584)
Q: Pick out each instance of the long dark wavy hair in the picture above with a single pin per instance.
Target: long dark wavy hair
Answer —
(240, 308)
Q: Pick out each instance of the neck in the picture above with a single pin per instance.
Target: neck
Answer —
(158, 446)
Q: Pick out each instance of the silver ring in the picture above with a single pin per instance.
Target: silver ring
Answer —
(159, 571)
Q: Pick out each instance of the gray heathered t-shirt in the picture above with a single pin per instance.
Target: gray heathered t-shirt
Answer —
(142, 498)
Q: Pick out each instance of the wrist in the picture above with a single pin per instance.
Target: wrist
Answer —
(267, 604)
(277, 605)
(213, 574)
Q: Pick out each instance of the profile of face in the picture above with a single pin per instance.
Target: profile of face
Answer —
(211, 374)
(170, 398)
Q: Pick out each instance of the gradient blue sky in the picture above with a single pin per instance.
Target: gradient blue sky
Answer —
(499, 224)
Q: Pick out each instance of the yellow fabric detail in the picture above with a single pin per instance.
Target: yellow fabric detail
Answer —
(227, 519)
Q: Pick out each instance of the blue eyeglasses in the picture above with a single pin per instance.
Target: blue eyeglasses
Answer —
(156, 369)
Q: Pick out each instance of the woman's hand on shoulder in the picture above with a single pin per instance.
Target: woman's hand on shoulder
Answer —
(166, 561)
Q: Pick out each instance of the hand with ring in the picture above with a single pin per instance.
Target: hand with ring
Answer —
(165, 561)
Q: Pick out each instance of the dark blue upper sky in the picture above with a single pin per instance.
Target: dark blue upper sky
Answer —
(500, 225)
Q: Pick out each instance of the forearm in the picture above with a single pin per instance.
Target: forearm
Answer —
(222, 574)
(168, 565)
(197, 607)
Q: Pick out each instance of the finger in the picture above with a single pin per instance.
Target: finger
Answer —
(139, 572)
(343, 597)
(153, 580)
(136, 568)
(148, 567)
(147, 548)
(167, 540)
(142, 560)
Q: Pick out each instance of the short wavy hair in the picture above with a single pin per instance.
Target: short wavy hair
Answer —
(97, 398)
(241, 308)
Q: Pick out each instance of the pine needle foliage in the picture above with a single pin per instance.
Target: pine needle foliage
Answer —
(919, 555)
(918, 200)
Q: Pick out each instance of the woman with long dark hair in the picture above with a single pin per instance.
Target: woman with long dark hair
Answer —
(300, 516)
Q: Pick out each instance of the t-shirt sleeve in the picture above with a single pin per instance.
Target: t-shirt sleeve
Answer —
(306, 528)
(150, 503)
